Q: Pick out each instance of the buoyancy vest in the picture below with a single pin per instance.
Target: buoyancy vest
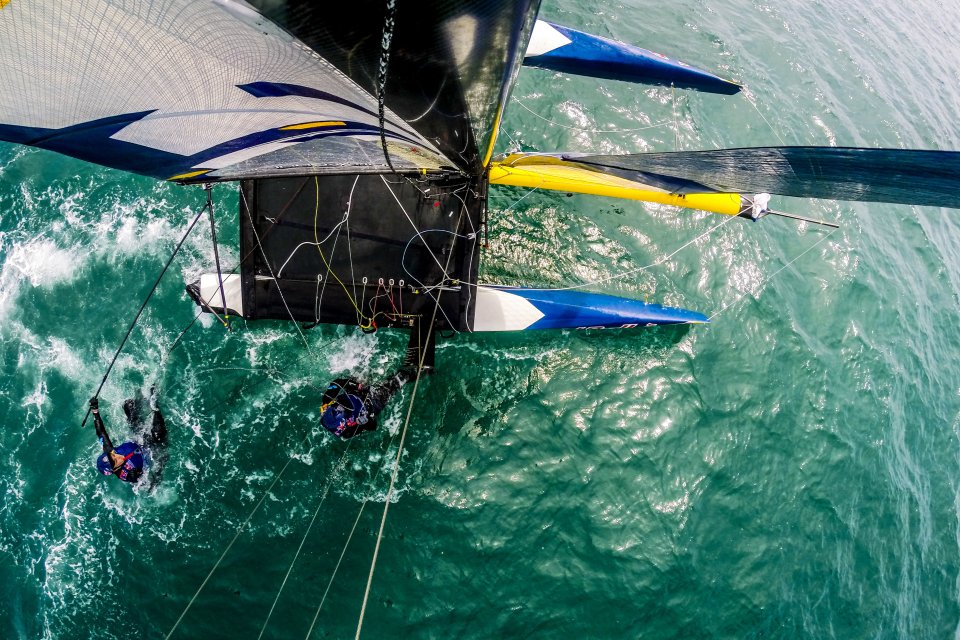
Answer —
(344, 411)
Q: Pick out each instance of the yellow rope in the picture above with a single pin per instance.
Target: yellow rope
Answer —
(316, 238)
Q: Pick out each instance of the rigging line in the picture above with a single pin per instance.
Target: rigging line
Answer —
(208, 187)
(353, 277)
(336, 568)
(660, 261)
(522, 198)
(176, 342)
(433, 104)
(473, 245)
(230, 546)
(346, 545)
(565, 126)
(630, 272)
(274, 222)
(429, 290)
(297, 248)
(314, 244)
(396, 464)
(676, 124)
(403, 256)
(260, 381)
(516, 145)
(326, 490)
(142, 307)
(766, 281)
(446, 275)
(346, 220)
(747, 94)
(330, 271)
(266, 261)
(333, 252)
(183, 333)
(414, 225)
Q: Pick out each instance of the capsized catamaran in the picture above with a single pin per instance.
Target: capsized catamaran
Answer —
(362, 138)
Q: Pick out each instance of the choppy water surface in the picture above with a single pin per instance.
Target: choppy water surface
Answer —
(790, 470)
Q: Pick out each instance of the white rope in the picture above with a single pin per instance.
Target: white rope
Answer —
(266, 261)
(326, 278)
(262, 498)
(767, 280)
(337, 568)
(748, 94)
(414, 225)
(676, 124)
(337, 468)
(625, 274)
(443, 269)
(522, 198)
(396, 464)
(346, 545)
(230, 546)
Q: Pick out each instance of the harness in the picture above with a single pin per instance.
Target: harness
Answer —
(343, 406)
(125, 458)
(127, 468)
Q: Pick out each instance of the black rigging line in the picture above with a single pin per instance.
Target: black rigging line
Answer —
(143, 306)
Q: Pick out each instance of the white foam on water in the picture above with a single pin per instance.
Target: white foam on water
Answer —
(72, 207)
(33, 406)
(352, 353)
(19, 151)
(26, 197)
(57, 354)
(35, 263)
(830, 135)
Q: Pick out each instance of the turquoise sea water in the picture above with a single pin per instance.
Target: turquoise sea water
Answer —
(790, 470)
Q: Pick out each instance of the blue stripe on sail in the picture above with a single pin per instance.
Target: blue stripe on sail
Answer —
(91, 141)
(598, 57)
(263, 89)
(579, 309)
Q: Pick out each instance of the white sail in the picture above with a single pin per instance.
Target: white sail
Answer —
(187, 89)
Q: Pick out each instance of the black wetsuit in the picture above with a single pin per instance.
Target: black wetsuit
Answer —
(133, 409)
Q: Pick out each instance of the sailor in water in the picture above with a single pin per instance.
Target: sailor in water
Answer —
(126, 461)
(351, 407)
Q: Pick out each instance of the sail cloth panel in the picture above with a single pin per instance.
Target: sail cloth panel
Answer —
(451, 65)
(181, 89)
(902, 176)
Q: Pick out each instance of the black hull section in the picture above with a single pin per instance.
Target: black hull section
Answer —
(371, 250)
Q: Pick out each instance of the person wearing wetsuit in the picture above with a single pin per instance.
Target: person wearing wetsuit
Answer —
(351, 407)
(126, 461)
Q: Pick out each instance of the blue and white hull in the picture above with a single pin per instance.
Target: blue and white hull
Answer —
(567, 50)
(501, 308)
